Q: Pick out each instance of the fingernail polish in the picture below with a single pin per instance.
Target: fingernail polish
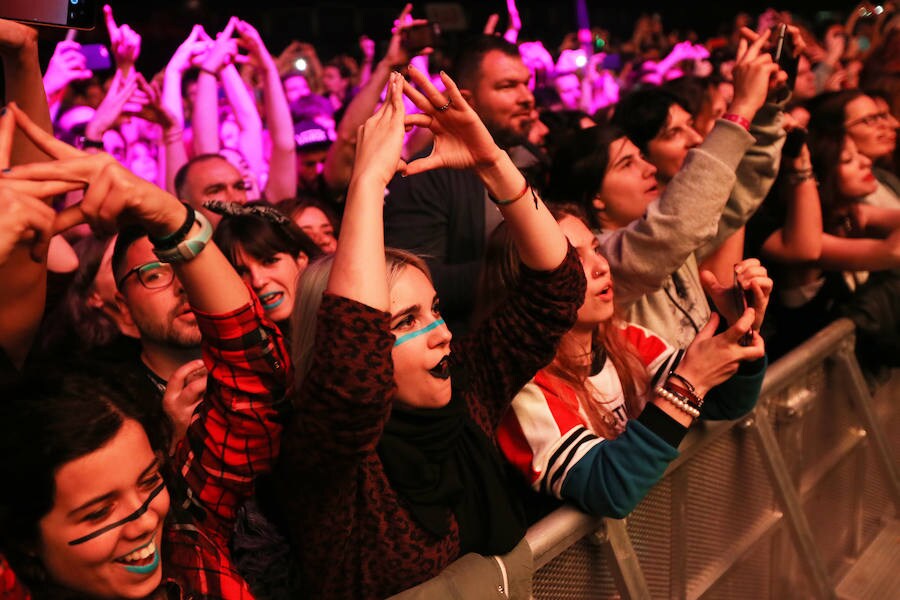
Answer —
(2, 111)
(7, 170)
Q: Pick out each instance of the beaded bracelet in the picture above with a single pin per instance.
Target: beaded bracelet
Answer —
(738, 119)
(800, 176)
(677, 402)
(690, 397)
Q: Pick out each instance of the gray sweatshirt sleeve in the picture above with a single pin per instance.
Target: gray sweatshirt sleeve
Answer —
(755, 175)
(684, 218)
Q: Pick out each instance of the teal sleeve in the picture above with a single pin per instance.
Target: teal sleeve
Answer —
(614, 475)
(737, 396)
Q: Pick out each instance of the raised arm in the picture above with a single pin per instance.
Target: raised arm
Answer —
(339, 162)
(282, 181)
(643, 254)
(206, 106)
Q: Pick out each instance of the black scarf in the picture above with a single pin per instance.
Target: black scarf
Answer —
(439, 461)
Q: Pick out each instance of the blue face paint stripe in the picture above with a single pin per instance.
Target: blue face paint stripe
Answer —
(414, 334)
(132, 517)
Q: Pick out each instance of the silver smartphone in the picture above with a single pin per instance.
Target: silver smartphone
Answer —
(74, 14)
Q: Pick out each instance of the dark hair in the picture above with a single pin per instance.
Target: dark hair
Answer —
(501, 274)
(689, 90)
(74, 320)
(127, 237)
(579, 167)
(643, 114)
(49, 418)
(827, 135)
(262, 237)
(182, 174)
(467, 66)
(294, 206)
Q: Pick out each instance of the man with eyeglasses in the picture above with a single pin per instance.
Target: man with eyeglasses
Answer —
(154, 310)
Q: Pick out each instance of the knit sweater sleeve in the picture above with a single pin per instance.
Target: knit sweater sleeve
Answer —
(545, 439)
(520, 337)
(344, 401)
(755, 175)
(645, 252)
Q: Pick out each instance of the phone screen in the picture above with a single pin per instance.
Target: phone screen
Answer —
(77, 14)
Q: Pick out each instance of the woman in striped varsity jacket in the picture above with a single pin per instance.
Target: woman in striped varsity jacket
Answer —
(600, 424)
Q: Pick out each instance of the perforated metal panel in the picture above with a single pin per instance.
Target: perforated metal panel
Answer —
(581, 572)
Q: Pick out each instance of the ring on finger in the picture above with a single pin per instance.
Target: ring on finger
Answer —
(446, 106)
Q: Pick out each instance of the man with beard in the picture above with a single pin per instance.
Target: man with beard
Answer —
(445, 214)
(154, 309)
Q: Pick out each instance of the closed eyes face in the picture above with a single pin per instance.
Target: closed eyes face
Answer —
(422, 346)
(103, 534)
(855, 178)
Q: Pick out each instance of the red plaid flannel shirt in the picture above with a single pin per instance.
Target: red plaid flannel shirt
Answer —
(234, 436)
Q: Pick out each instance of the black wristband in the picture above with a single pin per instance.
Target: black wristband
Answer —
(85, 142)
(656, 420)
(176, 237)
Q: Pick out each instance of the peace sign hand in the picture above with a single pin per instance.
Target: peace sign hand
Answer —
(114, 197)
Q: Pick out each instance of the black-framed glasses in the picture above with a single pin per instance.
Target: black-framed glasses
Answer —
(871, 120)
(152, 275)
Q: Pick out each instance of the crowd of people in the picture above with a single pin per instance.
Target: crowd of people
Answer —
(226, 360)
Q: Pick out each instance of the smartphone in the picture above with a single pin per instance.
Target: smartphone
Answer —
(783, 53)
(96, 57)
(742, 299)
(418, 37)
(75, 14)
(793, 142)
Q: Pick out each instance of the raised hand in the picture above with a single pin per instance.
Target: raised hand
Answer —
(754, 74)
(753, 278)
(380, 141)
(66, 65)
(125, 42)
(184, 391)
(223, 51)
(396, 53)
(25, 216)
(193, 46)
(149, 98)
(461, 140)
(113, 104)
(712, 359)
(114, 197)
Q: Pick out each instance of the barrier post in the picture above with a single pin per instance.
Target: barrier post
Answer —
(626, 568)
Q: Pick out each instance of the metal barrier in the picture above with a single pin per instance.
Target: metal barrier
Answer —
(777, 505)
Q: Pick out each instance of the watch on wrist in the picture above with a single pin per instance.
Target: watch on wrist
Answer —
(187, 248)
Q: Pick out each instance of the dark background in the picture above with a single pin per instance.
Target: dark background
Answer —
(334, 26)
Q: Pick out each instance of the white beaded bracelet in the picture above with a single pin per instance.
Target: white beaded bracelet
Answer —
(677, 402)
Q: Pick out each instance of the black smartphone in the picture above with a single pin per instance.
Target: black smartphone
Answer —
(74, 14)
(418, 37)
(96, 57)
(742, 299)
(783, 53)
(793, 142)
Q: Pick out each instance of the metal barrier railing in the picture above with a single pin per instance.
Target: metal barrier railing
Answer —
(776, 505)
(745, 502)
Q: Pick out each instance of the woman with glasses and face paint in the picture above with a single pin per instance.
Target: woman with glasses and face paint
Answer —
(90, 507)
(388, 472)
